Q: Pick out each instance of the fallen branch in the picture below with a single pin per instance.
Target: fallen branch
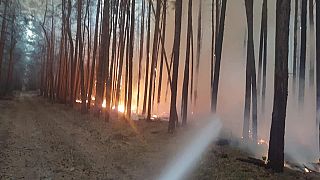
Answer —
(251, 160)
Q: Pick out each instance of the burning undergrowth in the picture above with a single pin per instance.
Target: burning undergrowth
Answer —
(297, 157)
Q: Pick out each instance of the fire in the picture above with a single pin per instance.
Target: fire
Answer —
(104, 103)
(153, 117)
(263, 142)
(120, 108)
(78, 101)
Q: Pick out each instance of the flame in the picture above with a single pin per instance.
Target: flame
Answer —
(153, 117)
(104, 104)
(263, 142)
(120, 108)
(78, 101)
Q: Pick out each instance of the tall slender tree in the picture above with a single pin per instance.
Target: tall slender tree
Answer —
(95, 46)
(312, 43)
(185, 86)
(199, 41)
(154, 58)
(251, 91)
(3, 34)
(141, 51)
(303, 48)
(276, 143)
(318, 68)
(295, 45)
(162, 58)
(147, 60)
(173, 118)
(218, 52)
(131, 49)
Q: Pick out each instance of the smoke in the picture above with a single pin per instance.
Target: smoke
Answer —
(203, 137)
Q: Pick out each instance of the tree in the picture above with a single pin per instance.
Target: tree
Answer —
(95, 45)
(199, 39)
(173, 118)
(81, 63)
(103, 66)
(295, 43)
(311, 48)
(147, 60)
(276, 143)
(303, 47)
(251, 90)
(131, 49)
(185, 86)
(218, 52)
(212, 52)
(2, 35)
(262, 67)
(318, 67)
(154, 58)
(141, 51)
(163, 52)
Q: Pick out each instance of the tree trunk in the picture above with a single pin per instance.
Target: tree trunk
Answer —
(185, 87)
(265, 52)
(303, 52)
(295, 43)
(276, 144)
(95, 44)
(154, 58)
(173, 118)
(2, 35)
(218, 52)
(312, 57)
(164, 19)
(131, 57)
(318, 67)
(141, 52)
(212, 53)
(250, 78)
(147, 61)
(199, 39)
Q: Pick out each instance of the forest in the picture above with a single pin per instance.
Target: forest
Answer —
(159, 89)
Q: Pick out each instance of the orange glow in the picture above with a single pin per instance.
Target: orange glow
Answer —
(120, 108)
(78, 101)
(104, 103)
(153, 117)
(263, 142)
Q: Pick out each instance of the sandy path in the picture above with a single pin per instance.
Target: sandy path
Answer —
(39, 140)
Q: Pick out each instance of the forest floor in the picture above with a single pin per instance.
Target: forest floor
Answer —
(41, 140)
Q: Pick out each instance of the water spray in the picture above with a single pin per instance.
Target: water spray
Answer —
(192, 152)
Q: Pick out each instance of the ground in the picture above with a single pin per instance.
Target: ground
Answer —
(41, 140)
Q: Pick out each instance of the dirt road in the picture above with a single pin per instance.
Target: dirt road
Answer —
(40, 140)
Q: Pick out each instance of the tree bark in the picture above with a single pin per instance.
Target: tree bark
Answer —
(303, 52)
(318, 68)
(154, 58)
(276, 143)
(173, 118)
(185, 86)
(218, 52)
